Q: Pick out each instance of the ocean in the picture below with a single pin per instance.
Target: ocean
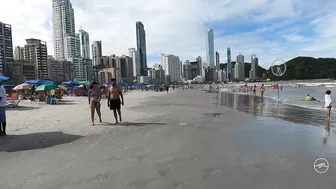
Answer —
(290, 106)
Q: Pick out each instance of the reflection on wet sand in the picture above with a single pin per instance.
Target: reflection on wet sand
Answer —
(267, 107)
(326, 131)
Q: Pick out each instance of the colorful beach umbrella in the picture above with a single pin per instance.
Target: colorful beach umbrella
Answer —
(84, 82)
(46, 87)
(62, 87)
(23, 86)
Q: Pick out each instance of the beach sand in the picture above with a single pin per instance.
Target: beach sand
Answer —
(176, 140)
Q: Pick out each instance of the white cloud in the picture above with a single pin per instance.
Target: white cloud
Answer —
(178, 27)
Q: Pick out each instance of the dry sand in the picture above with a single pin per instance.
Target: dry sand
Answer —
(71, 115)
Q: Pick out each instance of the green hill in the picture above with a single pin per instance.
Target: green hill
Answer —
(300, 68)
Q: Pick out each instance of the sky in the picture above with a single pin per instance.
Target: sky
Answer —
(271, 29)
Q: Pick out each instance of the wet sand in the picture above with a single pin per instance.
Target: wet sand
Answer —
(179, 140)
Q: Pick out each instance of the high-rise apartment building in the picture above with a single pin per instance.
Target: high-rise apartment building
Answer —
(73, 54)
(135, 60)
(66, 40)
(96, 52)
(59, 70)
(210, 48)
(126, 69)
(6, 49)
(217, 61)
(36, 51)
(229, 66)
(240, 68)
(63, 21)
(141, 47)
(84, 44)
(19, 53)
(172, 66)
(254, 67)
(187, 71)
(85, 53)
(199, 65)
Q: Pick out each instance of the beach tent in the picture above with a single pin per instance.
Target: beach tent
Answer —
(70, 83)
(38, 82)
(4, 78)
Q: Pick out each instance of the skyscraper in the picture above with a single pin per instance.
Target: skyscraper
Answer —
(84, 44)
(210, 48)
(135, 60)
(199, 65)
(6, 48)
(36, 51)
(172, 66)
(254, 67)
(96, 52)
(141, 47)
(66, 40)
(229, 66)
(19, 53)
(240, 68)
(217, 61)
(63, 26)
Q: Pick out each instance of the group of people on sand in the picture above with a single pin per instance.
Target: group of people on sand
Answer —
(114, 101)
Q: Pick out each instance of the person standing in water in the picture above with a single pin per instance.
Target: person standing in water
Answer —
(254, 89)
(262, 90)
(113, 101)
(328, 103)
(95, 96)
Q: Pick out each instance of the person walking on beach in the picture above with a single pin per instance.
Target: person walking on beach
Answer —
(328, 103)
(3, 98)
(95, 96)
(262, 90)
(113, 101)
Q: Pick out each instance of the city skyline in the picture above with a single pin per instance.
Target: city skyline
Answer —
(281, 29)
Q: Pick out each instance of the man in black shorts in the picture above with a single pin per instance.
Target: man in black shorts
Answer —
(114, 102)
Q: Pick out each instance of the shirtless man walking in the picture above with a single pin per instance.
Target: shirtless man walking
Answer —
(114, 95)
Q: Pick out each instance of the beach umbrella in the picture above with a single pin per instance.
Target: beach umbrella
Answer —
(8, 85)
(84, 82)
(23, 86)
(4, 78)
(70, 83)
(46, 87)
(62, 87)
(38, 82)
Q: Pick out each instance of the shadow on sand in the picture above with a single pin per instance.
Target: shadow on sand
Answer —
(14, 143)
(21, 108)
(134, 124)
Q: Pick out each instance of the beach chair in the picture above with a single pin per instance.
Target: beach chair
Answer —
(13, 100)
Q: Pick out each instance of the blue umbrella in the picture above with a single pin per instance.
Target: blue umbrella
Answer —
(70, 83)
(8, 85)
(38, 82)
(4, 78)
